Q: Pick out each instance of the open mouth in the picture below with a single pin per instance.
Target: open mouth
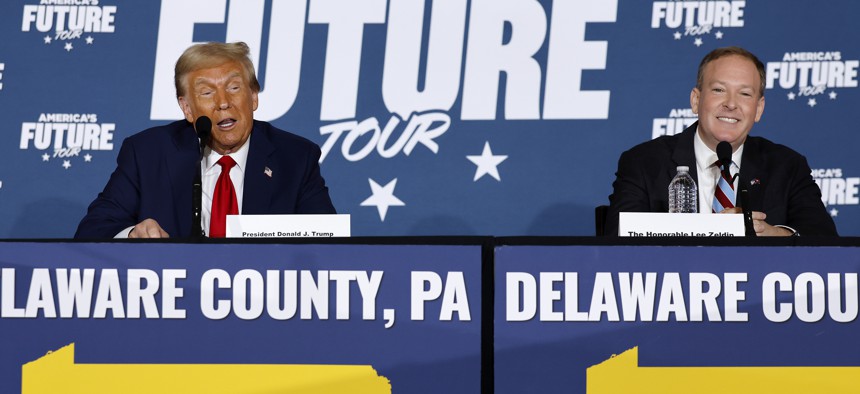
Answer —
(227, 124)
(727, 120)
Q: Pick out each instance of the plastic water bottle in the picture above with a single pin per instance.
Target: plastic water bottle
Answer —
(683, 193)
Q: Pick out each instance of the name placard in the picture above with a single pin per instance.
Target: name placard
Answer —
(287, 226)
(656, 224)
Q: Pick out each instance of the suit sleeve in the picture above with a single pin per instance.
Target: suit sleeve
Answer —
(806, 212)
(117, 205)
(313, 194)
(629, 191)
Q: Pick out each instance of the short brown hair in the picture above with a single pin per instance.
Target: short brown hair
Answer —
(213, 54)
(728, 51)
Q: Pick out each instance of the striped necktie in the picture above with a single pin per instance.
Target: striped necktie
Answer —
(724, 193)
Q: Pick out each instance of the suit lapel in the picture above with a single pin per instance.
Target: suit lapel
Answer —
(752, 175)
(181, 167)
(257, 192)
(684, 155)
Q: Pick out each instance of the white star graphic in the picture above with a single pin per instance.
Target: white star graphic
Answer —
(68, 47)
(791, 95)
(698, 42)
(487, 163)
(47, 39)
(45, 157)
(382, 198)
(67, 164)
(677, 35)
(89, 40)
(832, 95)
(718, 35)
(812, 102)
(88, 157)
(834, 212)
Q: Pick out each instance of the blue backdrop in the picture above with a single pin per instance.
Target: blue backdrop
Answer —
(500, 117)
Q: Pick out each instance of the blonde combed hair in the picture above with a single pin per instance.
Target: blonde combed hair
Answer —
(213, 54)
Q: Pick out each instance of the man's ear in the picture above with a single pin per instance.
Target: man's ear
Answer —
(186, 109)
(694, 100)
(759, 109)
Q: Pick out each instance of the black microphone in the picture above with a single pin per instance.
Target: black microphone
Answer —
(203, 127)
(724, 154)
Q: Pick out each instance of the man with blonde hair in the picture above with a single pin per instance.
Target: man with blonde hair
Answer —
(265, 170)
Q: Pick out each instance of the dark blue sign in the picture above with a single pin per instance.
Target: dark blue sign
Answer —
(411, 312)
(560, 310)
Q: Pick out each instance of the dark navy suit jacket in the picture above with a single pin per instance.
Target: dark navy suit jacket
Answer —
(779, 181)
(156, 168)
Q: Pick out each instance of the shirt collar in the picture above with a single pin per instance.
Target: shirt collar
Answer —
(240, 156)
(705, 157)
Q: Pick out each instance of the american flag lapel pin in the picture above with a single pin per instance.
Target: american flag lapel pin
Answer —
(268, 172)
(755, 181)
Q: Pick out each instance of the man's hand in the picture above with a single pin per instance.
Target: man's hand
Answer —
(762, 228)
(148, 228)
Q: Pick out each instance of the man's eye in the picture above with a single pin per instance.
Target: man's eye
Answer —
(717, 90)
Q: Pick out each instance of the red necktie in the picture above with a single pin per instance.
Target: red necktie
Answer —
(224, 200)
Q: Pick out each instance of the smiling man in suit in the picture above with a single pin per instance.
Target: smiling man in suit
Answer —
(729, 99)
(271, 171)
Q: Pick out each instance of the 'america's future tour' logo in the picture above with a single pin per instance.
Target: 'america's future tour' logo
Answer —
(812, 77)
(68, 21)
(64, 137)
(697, 21)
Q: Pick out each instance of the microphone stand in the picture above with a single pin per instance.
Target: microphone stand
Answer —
(203, 127)
(749, 229)
(197, 204)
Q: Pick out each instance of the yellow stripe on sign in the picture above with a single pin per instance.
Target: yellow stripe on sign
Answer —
(622, 374)
(57, 372)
